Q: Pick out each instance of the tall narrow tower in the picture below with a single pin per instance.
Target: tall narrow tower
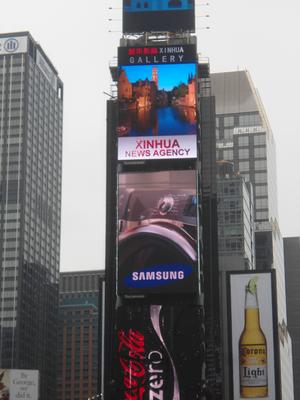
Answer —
(155, 76)
(31, 101)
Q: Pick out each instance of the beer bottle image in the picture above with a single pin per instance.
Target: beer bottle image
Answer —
(253, 349)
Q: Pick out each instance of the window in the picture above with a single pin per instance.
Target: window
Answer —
(244, 166)
(249, 120)
(260, 164)
(261, 215)
(259, 152)
(243, 153)
(228, 155)
(261, 190)
(261, 177)
(228, 133)
(259, 139)
(261, 203)
(229, 121)
(243, 140)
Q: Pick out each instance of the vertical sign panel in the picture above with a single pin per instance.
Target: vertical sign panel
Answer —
(252, 311)
(153, 359)
(158, 15)
(157, 244)
(157, 95)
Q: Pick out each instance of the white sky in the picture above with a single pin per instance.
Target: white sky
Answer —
(261, 36)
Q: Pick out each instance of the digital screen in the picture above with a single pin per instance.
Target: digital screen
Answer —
(158, 15)
(157, 242)
(157, 95)
(153, 359)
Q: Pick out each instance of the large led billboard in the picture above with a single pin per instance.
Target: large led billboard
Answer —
(252, 310)
(157, 242)
(157, 96)
(19, 384)
(158, 15)
(153, 359)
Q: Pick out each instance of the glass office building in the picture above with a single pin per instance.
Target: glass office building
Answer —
(31, 111)
(244, 137)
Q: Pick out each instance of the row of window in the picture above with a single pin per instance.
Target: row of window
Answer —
(239, 120)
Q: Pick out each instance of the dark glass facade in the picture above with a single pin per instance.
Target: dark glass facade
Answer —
(210, 236)
(31, 101)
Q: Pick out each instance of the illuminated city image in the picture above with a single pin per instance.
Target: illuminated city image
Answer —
(157, 100)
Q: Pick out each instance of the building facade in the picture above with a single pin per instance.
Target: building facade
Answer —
(31, 107)
(244, 137)
(79, 334)
(292, 280)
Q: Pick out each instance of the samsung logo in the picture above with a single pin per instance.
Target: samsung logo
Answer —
(158, 275)
(165, 275)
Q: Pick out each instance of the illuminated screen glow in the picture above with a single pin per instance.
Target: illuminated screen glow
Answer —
(157, 243)
(157, 100)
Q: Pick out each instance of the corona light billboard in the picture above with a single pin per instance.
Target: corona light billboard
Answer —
(19, 384)
(157, 96)
(252, 307)
(157, 243)
(158, 15)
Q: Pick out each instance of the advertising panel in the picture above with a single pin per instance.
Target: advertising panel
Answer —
(252, 311)
(157, 242)
(158, 16)
(19, 384)
(153, 363)
(157, 95)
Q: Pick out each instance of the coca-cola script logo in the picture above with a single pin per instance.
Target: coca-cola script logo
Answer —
(131, 356)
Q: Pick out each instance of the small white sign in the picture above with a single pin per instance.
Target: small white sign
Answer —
(46, 70)
(248, 129)
(19, 384)
(157, 147)
(13, 45)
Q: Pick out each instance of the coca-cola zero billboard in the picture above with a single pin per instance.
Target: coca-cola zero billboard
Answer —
(153, 361)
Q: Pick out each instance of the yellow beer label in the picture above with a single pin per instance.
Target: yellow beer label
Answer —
(253, 365)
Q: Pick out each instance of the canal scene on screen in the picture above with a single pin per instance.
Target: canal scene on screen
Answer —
(157, 100)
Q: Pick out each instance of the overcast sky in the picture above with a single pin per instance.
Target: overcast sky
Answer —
(261, 36)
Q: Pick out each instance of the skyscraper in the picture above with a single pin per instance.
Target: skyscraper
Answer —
(244, 136)
(31, 102)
